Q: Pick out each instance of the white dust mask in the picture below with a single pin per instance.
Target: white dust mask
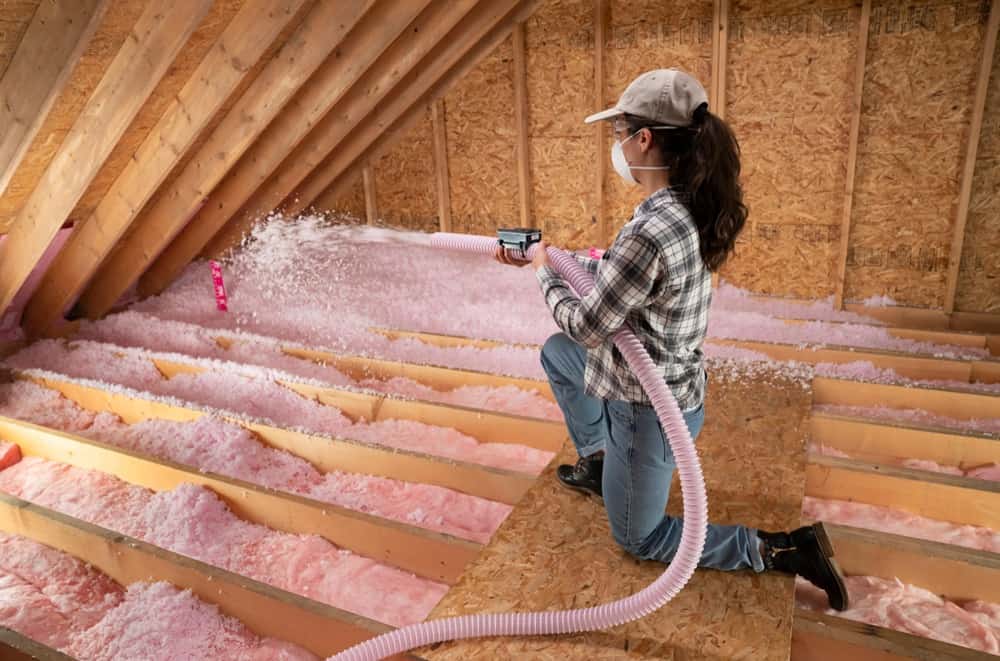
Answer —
(621, 165)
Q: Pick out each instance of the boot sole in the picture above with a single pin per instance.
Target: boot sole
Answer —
(584, 490)
(826, 546)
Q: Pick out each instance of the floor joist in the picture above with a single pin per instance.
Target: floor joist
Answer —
(952, 403)
(954, 572)
(877, 441)
(485, 426)
(265, 610)
(427, 554)
(958, 499)
(327, 454)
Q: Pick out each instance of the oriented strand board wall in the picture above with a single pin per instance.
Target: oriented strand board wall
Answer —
(349, 202)
(404, 180)
(482, 158)
(979, 277)
(790, 80)
(559, 40)
(919, 88)
(644, 35)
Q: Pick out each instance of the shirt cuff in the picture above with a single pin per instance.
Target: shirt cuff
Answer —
(547, 277)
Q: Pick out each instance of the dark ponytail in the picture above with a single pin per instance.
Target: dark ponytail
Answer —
(704, 162)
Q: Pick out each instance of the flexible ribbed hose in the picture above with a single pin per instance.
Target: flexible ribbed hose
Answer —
(598, 617)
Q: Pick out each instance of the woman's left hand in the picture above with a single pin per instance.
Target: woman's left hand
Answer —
(541, 256)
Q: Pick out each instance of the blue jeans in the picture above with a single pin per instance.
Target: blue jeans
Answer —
(638, 467)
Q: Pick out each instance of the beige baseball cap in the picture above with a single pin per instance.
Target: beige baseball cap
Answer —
(666, 96)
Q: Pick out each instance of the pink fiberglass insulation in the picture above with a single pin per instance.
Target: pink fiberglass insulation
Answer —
(11, 317)
(729, 297)
(913, 610)
(254, 392)
(987, 426)
(304, 280)
(193, 521)
(862, 370)
(899, 522)
(983, 472)
(59, 601)
(219, 447)
(135, 329)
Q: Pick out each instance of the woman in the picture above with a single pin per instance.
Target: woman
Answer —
(656, 277)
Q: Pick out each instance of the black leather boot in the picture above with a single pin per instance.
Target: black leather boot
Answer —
(585, 476)
(806, 552)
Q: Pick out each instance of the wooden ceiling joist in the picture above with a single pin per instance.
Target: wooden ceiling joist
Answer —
(244, 41)
(141, 62)
(252, 194)
(319, 34)
(455, 58)
(360, 50)
(49, 50)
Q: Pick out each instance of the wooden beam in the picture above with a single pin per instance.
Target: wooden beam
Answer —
(265, 610)
(368, 181)
(971, 148)
(821, 637)
(244, 41)
(520, 65)
(979, 322)
(326, 453)
(156, 39)
(961, 500)
(602, 22)
(431, 555)
(717, 91)
(15, 647)
(951, 403)
(877, 441)
(457, 53)
(485, 426)
(441, 165)
(320, 32)
(369, 63)
(439, 378)
(37, 74)
(852, 152)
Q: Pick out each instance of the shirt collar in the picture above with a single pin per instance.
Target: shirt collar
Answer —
(666, 195)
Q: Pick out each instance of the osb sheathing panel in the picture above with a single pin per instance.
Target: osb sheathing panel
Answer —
(919, 87)
(190, 56)
(15, 17)
(481, 133)
(560, 83)
(108, 38)
(979, 277)
(650, 34)
(349, 204)
(404, 180)
(555, 551)
(789, 84)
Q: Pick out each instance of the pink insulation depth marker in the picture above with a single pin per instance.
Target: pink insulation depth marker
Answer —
(220, 287)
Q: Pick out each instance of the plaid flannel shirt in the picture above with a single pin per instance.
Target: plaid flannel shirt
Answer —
(653, 279)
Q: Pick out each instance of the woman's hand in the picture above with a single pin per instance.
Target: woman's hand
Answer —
(501, 256)
(541, 257)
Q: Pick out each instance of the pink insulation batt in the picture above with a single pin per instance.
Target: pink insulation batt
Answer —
(913, 610)
(986, 426)
(219, 447)
(193, 521)
(253, 392)
(135, 329)
(63, 603)
(984, 472)
(899, 522)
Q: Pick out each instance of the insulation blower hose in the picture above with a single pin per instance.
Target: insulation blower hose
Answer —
(607, 615)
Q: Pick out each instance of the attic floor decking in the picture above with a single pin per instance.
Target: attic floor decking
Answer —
(556, 551)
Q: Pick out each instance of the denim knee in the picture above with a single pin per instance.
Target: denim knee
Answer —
(633, 545)
(555, 345)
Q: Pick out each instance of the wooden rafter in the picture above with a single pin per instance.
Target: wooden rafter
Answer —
(971, 148)
(320, 32)
(476, 35)
(244, 41)
(399, 24)
(41, 66)
(157, 38)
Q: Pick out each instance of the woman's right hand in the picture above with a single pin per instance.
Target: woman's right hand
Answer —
(501, 256)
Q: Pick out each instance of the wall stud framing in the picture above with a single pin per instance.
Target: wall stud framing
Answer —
(441, 164)
(521, 121)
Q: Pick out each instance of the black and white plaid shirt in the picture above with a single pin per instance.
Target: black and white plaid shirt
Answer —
(653, 279)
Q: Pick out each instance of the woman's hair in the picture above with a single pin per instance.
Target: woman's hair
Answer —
(704, 161)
